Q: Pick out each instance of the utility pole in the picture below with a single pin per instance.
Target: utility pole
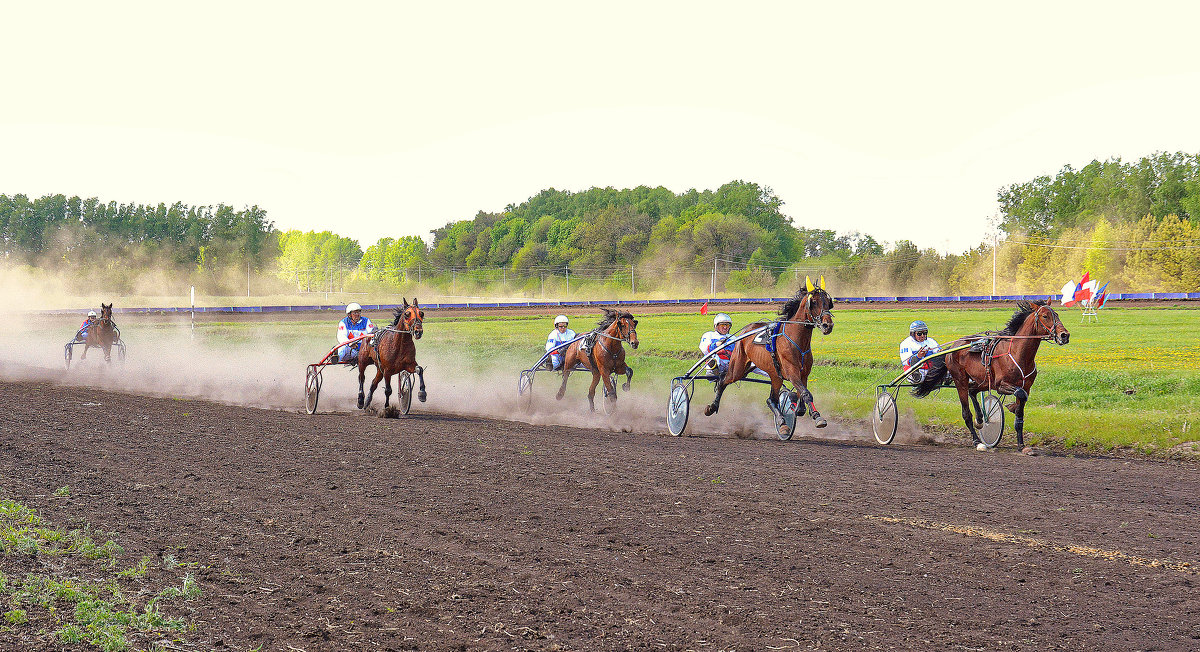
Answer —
(713, 289)
(568, 271)
(632, 287)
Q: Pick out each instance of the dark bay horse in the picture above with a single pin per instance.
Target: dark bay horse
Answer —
(605, 356)
(391, 351)
(103, 334)
(793, 358)
(1003, 362)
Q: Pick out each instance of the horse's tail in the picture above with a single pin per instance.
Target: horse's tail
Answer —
(933, 377)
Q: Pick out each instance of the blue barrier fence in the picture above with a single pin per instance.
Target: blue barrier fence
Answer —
(1143, 296)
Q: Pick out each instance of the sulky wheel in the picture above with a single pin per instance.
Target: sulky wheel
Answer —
(525, 390)
(787, 414)
(312, 389)
(993, 420)
(883, 416)
(678, 404)
(67, 355)
(404, 398)
(121, 352)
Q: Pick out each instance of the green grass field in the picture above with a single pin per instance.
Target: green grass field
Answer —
(1128, 381)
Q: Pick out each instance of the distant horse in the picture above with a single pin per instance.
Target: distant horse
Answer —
(103, 334)
(603, 355)
(391, 351)
(1002, 361)
(792, 359)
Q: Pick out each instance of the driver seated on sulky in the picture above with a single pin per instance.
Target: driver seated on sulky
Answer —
(917, 347)
(716, 339)
(81, 335)
(557, 340)
(353, 326)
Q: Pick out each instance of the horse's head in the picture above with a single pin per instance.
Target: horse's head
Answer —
(627, 329)
(620, 325)
(409, 318)
(106, 312)
(817, 309)
(1047, 324)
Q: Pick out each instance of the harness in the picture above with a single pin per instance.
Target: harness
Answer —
(776, 329)
(593, 338)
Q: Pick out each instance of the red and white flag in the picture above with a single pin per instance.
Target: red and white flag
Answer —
(1087, 289)
(704, 308)
(1068, 293)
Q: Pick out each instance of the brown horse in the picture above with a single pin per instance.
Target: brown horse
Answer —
(1003, 362)
(603, 355)
(103, 334)
(792, 360)
(391, 351)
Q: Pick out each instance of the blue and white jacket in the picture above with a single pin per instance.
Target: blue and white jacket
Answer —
(556, 340)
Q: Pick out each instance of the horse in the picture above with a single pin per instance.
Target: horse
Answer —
(1002, 361)
(792, 358)
(393, 350)
(603, 358)
(103, 334)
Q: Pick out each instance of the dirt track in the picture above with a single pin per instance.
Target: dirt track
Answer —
(345, 532)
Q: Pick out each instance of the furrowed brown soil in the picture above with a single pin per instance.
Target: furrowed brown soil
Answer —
(434, 532)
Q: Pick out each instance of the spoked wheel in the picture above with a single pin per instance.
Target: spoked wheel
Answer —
(404, 397)
(787, 414)
(993, 420)
(883, 416)
(525, 390)
(121, 352)
(678, 404)
(67, 355)
(312, 388)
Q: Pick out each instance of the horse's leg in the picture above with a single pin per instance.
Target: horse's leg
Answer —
(610, 387)
(387, 393)
(568, 363)
(421, 380)
(806, 398)
(592, 389)
(628, 377)
(374, 384)
(978, 409)
(1019, 423)
(733, 373)
(964, 398)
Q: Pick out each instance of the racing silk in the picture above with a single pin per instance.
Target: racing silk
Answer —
(712, 340)
(909, 348)
(348, 330)
(556, 340)
(83, 330)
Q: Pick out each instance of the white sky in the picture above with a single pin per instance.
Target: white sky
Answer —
(372, 119)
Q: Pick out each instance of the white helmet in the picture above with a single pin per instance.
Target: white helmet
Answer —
(561, 319)
(722, 318)
(91, 313)
(352, 307)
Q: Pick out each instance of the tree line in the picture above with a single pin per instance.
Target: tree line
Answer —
(1131, 223)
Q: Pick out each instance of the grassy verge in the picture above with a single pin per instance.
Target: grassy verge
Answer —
(64, 587)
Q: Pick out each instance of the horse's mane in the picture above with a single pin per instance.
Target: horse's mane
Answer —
(611, 316)
(790, 307)
(397, 313)
(1024, 308)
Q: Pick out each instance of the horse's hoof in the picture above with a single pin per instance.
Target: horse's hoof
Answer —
(981, 446)
(360, 402)
(709, 410)
(1028, 450)
(625, 387)
(821, 422)
(390, 412)
(421, 396)
(784, 431)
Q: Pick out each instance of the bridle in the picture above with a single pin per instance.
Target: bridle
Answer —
(627, 339)
(416, 322)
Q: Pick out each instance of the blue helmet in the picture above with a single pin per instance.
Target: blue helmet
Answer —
(917, 326)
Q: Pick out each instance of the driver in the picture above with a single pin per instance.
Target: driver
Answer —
(715, 339)
(916, 347)
(557, 340)
(81, 336)
(354, 325)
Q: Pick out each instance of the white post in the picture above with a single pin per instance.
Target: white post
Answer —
(193, 312)
(247, 278)
(994, 244)
(568, 270)
(713, 288)
(632, 287)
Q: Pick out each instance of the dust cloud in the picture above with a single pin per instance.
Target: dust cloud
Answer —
(254, 368)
